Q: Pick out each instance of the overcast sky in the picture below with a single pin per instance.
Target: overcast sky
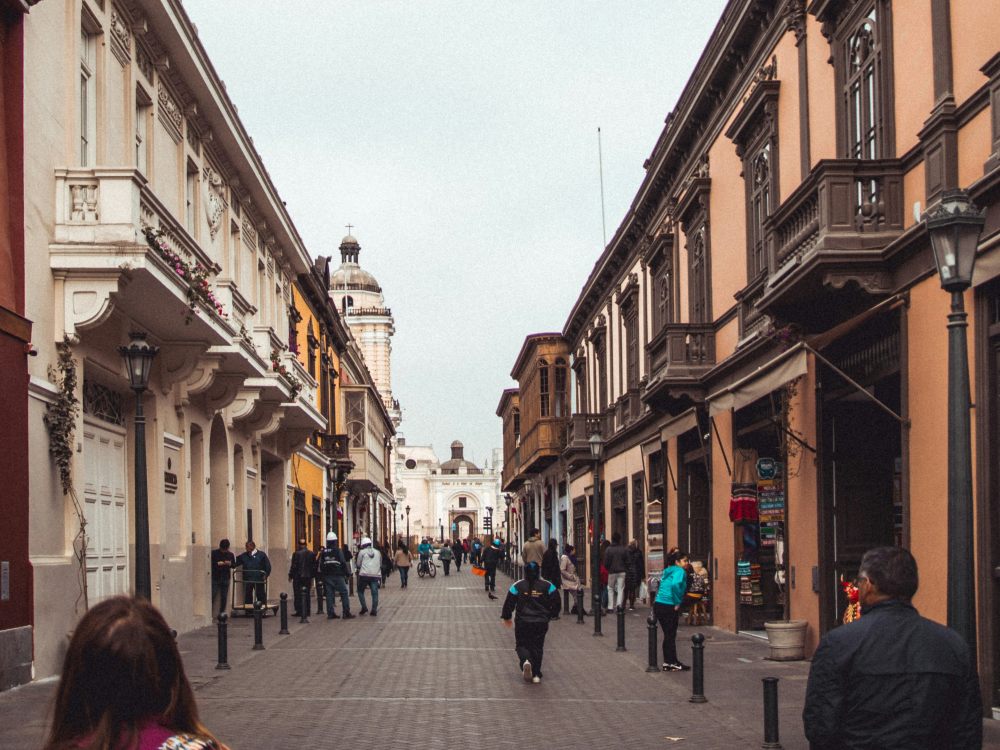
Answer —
(460, 139)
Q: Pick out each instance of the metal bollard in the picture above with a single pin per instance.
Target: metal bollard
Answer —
(698, 669)
(566, 600)
(258, 626)
(621, 630)
(597, 613)
(579, 606)
(283, 610)
(223, 643)
(651, 630)
(771, 714)
(320, 597)
(304, 605)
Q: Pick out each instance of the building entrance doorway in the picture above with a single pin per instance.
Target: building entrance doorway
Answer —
(694, 510)
(463, 526)
(106, 509)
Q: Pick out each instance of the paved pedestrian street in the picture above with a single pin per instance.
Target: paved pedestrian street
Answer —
(437, 669)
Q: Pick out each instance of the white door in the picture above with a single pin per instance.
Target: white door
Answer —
(106, 510)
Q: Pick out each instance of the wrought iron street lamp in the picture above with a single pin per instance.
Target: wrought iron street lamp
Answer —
(395, 537)
(138, 356)
(407, 527)
(954, 228)
(596, 447)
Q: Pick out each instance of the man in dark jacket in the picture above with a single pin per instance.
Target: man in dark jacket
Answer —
(616, 561)
(458, 552)
(300, 573)
(490, 560)
(333, 571)
(256, 568)
(536, 601)
(892, 678)
(222, 568)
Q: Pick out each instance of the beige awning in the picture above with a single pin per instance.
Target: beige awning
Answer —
(680, 424)
(768, 377)
(648, 449)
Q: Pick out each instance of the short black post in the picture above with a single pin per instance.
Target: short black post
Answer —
(320, 597)
(651, 630)
(698, 669)
(304, 605)
(223, 643)
(566, 600)
(621, 629)
(771, 714)
(283, 611)
(258, 626)
(597, 612)
(579, 606)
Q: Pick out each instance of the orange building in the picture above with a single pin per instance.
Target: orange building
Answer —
(763, 344)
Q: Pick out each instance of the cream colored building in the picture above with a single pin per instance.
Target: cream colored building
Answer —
(128, 128)
(450, 498)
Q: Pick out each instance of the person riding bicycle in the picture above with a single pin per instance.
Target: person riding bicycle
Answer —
(425, 550)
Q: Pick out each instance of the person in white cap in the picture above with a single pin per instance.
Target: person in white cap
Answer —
(369, 562)
(333, 571)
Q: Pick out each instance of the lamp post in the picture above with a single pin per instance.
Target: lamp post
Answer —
(596, 446)
(395, 540)
(407, 527)
(954, 227)
(489, 515)
(441, 529)
(138, 356)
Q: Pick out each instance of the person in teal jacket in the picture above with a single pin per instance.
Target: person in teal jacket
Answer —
(667, 607)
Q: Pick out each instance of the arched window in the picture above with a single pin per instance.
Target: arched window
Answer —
(516, 417)
(862, 89)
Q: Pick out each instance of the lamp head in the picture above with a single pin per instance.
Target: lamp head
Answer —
(138, 356)
(596, 445)
(954, 227)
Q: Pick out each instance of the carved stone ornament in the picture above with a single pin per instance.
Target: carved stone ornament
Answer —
(121, 37)
(795, 19)
(170, 113)
(215, 201)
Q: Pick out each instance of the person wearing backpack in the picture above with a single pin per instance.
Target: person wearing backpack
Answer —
(333, 571)
(445, 556)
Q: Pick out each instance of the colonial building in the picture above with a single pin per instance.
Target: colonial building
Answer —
(762, 345)
(446, 499)
(150, 219)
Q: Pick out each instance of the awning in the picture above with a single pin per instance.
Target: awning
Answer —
(680, 424)
(648, 449)
(784, 368)
(823, 340)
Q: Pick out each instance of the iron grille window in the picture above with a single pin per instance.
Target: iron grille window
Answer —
(356, 419)
(103, 403)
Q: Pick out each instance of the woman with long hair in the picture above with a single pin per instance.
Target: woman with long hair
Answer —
(403, 561)
(568, 575)
(123, 685)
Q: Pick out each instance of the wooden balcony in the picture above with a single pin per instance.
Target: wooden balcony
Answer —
(510, 476)
(825, 242)
(542, 444)
(679, 356)
(579, 428)
(628, 409)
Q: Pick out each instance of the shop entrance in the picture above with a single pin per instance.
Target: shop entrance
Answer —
(619, 510)
(694, 511)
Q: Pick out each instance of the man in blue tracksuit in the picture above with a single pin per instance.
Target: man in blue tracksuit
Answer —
(536, 601)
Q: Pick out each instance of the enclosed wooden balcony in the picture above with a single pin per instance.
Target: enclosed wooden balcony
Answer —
(826, 240)
(579, 428)
(542, 445)
(679, 357)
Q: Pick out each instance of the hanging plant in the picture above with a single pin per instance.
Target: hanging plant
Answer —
(60, 421)
(194, 275)
(283, 372)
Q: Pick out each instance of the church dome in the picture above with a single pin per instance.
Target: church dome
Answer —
(458, 461)
(350, 275)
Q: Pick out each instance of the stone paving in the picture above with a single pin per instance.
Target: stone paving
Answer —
(436, 669)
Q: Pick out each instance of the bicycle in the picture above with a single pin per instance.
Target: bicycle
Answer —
(426, 568)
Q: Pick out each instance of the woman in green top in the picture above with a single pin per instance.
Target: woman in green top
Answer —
(445, 556)
(667, 607)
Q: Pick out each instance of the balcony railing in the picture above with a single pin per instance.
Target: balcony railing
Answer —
(628, 409)
(682, 350)
(847, 206)
(335, 447)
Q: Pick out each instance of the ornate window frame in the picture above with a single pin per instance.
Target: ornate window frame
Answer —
(693, 210)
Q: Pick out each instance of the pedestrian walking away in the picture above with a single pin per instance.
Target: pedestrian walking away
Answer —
(300, 573)
(534, 601)
(333, 571)
(635, 572)
(256, 568)
(387, 562)
(568, 575)
(534, 549)
(551, 571)
(491, 558)
(403, 561)
(667, 607)
(445, 556)
(123, 685)
(457, 553)
(466, 550)
(616, 561)
(223, 562)
(892, 678)
(369, 575)
(477, 551)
